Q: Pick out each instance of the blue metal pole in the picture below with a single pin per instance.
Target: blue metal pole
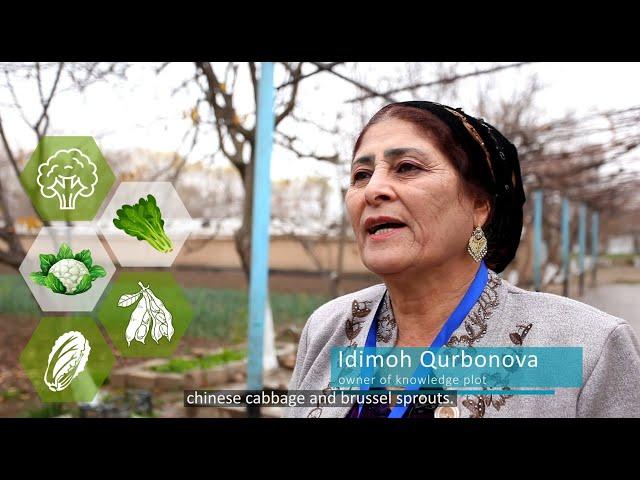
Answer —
(259, 278)
(537, 239)
(595, 245)
(566, 243)
(582, 238)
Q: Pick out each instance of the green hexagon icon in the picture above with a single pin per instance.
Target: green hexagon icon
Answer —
(67, 359)
(67, 178)
(145, 313)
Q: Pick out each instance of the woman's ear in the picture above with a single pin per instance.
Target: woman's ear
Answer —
(481, 211)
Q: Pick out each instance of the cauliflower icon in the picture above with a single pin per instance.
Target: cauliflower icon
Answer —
(67, 174)
(70, 272)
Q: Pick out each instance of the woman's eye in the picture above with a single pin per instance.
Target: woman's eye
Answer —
(360, 175)
(406, 167)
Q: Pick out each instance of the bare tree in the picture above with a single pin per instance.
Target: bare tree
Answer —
(46, 79)
(234, 123)
(567, 158)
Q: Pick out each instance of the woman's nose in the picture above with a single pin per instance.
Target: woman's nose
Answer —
(379, 188)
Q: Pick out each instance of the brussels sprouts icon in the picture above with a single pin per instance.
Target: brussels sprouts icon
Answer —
(67, 174)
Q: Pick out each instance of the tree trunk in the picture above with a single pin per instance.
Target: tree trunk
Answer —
(337, 275)
(242, 236)
(15, 253)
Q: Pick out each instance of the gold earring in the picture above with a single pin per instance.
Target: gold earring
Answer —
(477, 247)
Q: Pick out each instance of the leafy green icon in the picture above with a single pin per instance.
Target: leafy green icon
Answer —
(67, 360)
(66, 273)
(143, 220)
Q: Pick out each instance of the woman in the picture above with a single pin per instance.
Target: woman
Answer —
(435, 202)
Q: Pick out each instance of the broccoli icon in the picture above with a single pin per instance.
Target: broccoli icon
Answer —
(67, 174)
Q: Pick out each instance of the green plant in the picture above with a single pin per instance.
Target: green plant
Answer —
(223, 314)
(218, 314)
(9, 394)
(47, 410)
(15, 296)
(143, 220)
(181, 365)
(67, 273)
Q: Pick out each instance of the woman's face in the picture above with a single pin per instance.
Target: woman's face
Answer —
(401, 180)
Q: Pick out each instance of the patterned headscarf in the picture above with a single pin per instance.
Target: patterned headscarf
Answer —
(494, 161)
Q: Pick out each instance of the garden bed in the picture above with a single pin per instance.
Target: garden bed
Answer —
(208, 370)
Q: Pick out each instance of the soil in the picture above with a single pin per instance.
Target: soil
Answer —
(16, 392)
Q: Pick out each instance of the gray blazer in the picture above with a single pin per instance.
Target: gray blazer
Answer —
(611, 351)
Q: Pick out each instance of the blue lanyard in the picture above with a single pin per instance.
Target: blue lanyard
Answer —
(453, 322)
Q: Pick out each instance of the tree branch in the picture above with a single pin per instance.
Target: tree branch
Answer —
(440, 81)
(311, 74)
(47, 103)
(288, 144)
(226, 112)
(369, 90)
(292, 99)
(8, 150)
(254, 81)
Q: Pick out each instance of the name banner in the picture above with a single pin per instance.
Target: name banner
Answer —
(454, 367)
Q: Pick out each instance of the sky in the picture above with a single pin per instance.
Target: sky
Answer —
(143, 113)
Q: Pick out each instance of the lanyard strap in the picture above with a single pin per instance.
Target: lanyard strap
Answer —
(453, 322)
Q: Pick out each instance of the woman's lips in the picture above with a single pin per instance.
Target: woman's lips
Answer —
(384, 233)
